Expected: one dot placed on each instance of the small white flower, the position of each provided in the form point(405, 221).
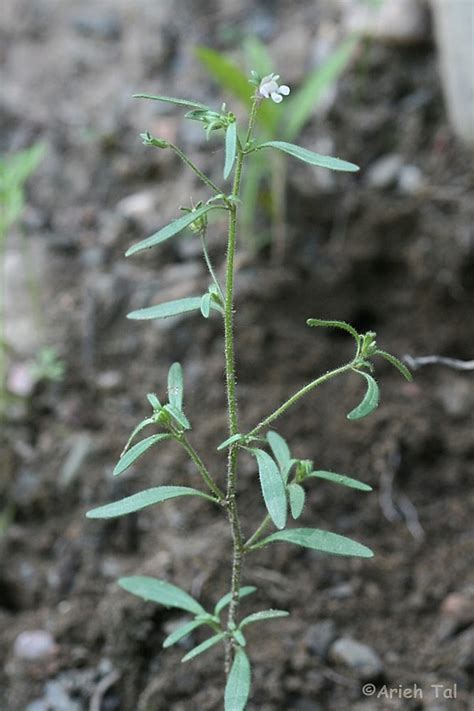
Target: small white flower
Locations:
point(269, 88)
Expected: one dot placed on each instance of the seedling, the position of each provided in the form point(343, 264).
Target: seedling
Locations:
point(281, 479)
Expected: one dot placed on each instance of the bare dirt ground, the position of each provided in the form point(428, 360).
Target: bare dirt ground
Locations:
point(394, 254)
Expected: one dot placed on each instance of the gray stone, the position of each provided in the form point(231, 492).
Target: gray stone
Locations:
point(34, 645)
point(385, 171)
point(411, 180)
point(319, 637)
point(360, 657)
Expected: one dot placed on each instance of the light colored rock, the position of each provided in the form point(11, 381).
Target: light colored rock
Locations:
point(411, 180)
point(359, 657)
point(137, 205)
point(456, 397)
point(384, 172)
point(34, 645)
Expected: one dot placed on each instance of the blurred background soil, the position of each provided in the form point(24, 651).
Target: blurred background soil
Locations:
point(391, 249)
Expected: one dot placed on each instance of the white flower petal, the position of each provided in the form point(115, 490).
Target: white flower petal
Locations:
point(284, 89)
point(276, 97)
point(268, 88)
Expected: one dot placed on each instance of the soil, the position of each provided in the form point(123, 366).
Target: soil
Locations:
point(391, 258)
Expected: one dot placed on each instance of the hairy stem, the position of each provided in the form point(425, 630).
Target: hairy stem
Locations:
point(299, 394)
point(194, 167)
point(258, 532)
point(233, 515)
point(207, 259)
point(201, 466)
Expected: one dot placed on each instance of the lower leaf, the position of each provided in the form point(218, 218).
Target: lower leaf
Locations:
point(237, 689)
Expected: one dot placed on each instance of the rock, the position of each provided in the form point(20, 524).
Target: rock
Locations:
point(359, 657)
point(391, 21)
point(109, 380)
point(456, 397)
point(410, 180)
point(341, 591)
point(34, 645)
point(56, 698)
point(137, 205)
point(319, 637)
point(385, 171)
point(457, 613)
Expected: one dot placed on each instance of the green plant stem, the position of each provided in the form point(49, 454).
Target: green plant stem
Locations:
point(258, 532)
point(194, 167)
point(182, 439)
point(299, 394)
point(207, 259)
point(233, 515)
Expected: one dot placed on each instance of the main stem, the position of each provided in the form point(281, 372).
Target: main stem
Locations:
point(233, 515)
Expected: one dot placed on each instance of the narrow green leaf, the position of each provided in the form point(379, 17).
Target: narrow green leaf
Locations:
point(169, 308)
point(301, 104)
point(397, 363)
point(141, 425)
point(206, 305)
point(280, 449)
point(172, 100)
point(319, 540)
point(237, 688)
point(263, 615)
point(239, 638)
point(335, 324)
point(181, 632)
point(310, 157)
point(226, 73)
point(230, 440)
point(139, 501)
point(225, 600)
point(230, 148)
point(175, 386)
point(273, 487)
point(257, 56)
point(136, 451)
point(170, 230)
point(178, 416)
point(340, 479)
point(370, 401)
point(203, 647)
point(296, 495)
point(161, 592)
point(153, 400)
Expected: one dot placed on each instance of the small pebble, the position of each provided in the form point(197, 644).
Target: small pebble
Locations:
point(360, 657)
point(34, 645)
